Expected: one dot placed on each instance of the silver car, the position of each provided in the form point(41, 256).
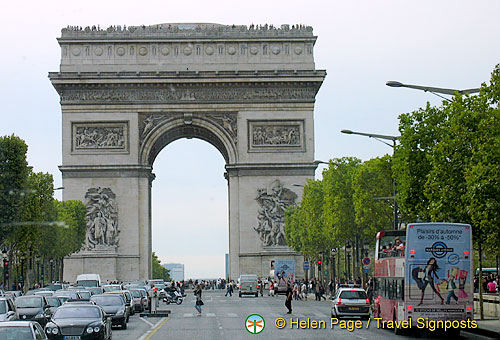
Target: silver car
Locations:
point(350, 302)
point(7, 309)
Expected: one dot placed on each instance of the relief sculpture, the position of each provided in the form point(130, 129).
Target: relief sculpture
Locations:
point(275, 135)
point(102, 219)
point(99, 137)
point(273, 202)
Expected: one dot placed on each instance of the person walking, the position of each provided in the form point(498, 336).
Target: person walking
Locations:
point(289, 296)
point(271, 288)
point(229, 289)
point(198, 302)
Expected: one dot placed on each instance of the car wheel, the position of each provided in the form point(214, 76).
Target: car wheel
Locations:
point(179, 301)
point(397, 330)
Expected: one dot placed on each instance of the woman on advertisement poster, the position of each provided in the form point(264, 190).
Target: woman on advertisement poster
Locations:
point(430, 271)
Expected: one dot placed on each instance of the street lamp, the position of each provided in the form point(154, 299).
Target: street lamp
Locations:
point(51, 261)
point(380, 138)
point(433, 90)
point(348, 252)
point(333, 252)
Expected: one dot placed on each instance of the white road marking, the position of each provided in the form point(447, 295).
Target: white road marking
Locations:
point(232, 315)
point(146, 321)
point(188, 315)
point(320, 315)
point(153, 329)
point(210, 315)
point(222, 300)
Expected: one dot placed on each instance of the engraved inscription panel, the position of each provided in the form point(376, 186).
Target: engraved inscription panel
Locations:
point(100, 136)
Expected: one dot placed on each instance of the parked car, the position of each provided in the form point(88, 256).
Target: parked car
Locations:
point(25, 330)
point(79, 321)
point(32, 307)
point(7, 309)
point(349, 302)
point(114, 305)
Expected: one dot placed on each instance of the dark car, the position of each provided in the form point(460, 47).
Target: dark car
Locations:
point(114, 305)
point(25, 330)
point(53, 302)
point(32, 307)
point(72, 294)
point(79, 322)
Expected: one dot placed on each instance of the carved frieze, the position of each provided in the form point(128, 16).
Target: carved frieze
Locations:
point(119, 94)
point(268, 135)
point(273, 202)
point(102, 219)
point(100, 136)
point(225, 121)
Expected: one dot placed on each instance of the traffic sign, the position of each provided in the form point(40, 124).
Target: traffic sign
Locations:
point(306, 265)
point(366, 261)
point(366, 270)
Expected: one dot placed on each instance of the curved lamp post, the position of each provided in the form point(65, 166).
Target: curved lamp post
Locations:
point(433, 90)
point(381, 139)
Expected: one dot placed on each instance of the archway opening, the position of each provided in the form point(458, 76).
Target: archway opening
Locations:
point(190, 220)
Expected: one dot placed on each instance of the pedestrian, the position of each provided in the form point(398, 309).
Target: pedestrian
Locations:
point(229, 289)
point(289, 296)
point(303, 289)
point(271, 288)
point(261, 288)
point(198, 302)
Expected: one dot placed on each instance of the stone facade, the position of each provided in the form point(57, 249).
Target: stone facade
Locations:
point(126, 93)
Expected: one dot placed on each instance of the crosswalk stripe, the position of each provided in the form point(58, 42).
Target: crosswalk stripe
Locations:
point(188, 315)
point(210, 315)
point(232, 315)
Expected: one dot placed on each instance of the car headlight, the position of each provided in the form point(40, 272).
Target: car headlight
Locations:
point(90, 330)
point(48, 330)
point(121, 311)
point(55, 331)
point(96, 329)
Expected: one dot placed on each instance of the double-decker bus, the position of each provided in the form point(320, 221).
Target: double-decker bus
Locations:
point(424, 273)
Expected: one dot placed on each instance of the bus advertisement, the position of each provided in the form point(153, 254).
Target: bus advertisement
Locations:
point(424, 273)
point(438, 270)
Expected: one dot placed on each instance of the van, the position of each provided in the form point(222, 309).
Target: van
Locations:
point(88, 280)
point(487, 271)
point(248, 285)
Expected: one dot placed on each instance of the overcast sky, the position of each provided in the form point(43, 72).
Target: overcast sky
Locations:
point(361, 44)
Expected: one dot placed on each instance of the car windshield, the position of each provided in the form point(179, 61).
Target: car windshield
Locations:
point(111, 288)
point(3, 307)
point(95, 290)
point(53, 301)
point(107, 300)
point(353, 294)
point(136, 293)
point(29, 302)
point(77, 313)
point(70, 294)
point(85, 295)
point(16, 333)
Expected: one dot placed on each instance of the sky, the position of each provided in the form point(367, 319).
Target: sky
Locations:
point(361, 44)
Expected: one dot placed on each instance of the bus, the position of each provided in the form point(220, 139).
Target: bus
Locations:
point(424, 273)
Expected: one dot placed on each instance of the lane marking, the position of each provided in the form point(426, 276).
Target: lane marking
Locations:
point(153, 330)
point(146, 321)
point(188, 315)
point(232, 315)
point(222, 300)
point(210, 315)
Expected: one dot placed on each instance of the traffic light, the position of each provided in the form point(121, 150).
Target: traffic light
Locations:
point(5, 270)
point(319, 265)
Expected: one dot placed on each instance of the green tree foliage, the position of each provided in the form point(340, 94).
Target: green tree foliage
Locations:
point(373, 178)
point(339, 212)
point(448, 163)
point(159, 272)
point(13, 182)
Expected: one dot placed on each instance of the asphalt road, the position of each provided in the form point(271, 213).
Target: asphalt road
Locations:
point(224, 318)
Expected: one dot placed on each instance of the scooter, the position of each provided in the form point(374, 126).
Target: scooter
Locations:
point(172, 297)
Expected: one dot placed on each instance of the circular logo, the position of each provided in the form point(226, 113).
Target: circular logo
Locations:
point(453, 259)
point(255, 324)
point(439, 249)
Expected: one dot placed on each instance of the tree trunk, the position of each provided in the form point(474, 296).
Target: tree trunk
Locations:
point(481, 311)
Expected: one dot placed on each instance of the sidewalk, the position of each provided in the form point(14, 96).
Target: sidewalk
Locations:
point(489, 327)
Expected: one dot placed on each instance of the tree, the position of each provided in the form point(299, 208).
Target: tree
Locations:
point(373, 178)
point(13, 181)
point(159, 272)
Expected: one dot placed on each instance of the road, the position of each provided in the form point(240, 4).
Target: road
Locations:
point(224, 318)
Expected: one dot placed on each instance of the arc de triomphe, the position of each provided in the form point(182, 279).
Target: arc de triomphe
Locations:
point(127, 92)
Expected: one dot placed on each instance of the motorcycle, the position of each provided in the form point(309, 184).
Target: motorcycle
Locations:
point(173, 297)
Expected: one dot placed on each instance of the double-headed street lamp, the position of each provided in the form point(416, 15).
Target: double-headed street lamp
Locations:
point(381, 139)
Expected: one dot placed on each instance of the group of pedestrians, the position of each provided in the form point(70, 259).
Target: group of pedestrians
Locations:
point(491, 284)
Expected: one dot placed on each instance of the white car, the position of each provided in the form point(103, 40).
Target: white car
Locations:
point(350, 302)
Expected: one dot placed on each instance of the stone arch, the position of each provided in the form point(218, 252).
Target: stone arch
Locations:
point(181, 127)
